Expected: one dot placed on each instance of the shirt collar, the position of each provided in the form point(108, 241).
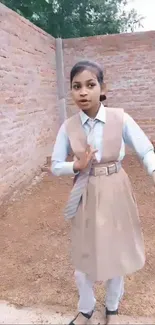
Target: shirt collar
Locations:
point(100, 115)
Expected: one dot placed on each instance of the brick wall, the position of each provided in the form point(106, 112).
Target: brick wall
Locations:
point(29, 115)
point(129, 64)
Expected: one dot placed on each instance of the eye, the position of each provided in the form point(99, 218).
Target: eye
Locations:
point(76, 86)
point(91, 85)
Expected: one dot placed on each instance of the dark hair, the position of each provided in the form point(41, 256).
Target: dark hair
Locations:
point(92, 66)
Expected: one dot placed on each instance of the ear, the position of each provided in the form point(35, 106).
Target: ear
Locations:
point(103, 89)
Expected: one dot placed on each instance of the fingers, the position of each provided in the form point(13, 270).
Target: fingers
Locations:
point(93, 151)
point(88, 155)
point(91, 154)
point(90, 150)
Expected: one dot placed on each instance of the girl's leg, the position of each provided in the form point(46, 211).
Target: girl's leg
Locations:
point(115, 291)
point(87, 300)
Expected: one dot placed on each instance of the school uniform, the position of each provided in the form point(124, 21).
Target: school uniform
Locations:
point(107, 242)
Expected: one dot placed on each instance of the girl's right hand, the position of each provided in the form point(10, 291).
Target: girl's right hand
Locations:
point(84, 159)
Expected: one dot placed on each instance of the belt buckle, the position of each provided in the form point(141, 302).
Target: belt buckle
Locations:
point(109, 168)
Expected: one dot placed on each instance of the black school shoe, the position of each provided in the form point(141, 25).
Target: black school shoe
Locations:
point(109, 312)
point(111, 317)
point(87, 316)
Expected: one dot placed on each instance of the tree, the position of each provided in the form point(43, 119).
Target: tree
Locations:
point(76, 18)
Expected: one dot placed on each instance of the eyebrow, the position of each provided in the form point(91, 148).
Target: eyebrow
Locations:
point(78, 82)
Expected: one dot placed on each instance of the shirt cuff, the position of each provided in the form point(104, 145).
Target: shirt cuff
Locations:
point(63, 168)
point(149, 161)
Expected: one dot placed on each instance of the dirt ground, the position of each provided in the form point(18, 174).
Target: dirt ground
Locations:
point(35, 266)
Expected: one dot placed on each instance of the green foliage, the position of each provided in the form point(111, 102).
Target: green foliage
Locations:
point(76, 18)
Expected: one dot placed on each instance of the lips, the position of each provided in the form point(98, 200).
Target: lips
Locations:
point(83, 101)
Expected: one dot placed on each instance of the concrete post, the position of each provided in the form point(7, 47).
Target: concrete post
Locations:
point(60, 79)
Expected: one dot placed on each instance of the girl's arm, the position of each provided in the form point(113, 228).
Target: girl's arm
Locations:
point(60, 153)
point(134, 136)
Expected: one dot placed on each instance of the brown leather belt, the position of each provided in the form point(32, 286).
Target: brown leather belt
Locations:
point(100, 169)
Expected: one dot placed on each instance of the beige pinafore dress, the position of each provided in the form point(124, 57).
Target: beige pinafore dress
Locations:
point(106, 238)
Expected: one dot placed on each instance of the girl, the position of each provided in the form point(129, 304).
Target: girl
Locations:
point(107, 242)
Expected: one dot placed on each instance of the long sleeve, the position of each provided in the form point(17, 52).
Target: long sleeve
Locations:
point(60, 153)
point(134, 137)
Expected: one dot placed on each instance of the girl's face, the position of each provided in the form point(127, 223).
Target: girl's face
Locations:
point(86, 90)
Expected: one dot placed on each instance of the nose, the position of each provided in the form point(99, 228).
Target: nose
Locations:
point(83, 92)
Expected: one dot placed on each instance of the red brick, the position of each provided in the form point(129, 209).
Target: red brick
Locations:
point(29, 116)
point(129, 65)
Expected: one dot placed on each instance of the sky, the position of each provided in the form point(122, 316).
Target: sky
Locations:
point(145, 8)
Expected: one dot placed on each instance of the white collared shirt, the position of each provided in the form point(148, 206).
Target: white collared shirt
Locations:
point(132, 135)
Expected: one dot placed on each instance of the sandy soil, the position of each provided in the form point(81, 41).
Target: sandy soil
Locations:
point(13, 315)
point(35, 266)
